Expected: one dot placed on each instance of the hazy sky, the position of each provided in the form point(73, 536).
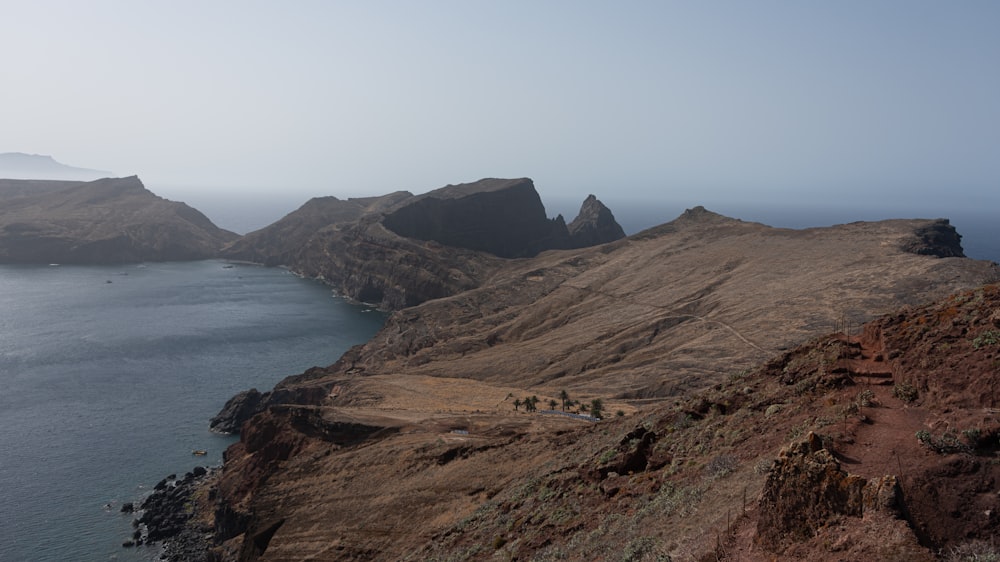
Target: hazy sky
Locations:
point(747, 101)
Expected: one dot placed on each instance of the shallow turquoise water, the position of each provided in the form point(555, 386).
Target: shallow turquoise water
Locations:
point(108, 376)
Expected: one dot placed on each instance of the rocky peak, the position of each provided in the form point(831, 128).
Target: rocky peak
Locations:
point(594, 225)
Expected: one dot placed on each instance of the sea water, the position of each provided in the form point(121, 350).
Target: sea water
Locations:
point(108, 376)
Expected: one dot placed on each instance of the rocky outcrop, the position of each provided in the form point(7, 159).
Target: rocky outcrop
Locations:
point(368, 263)
point(939, 239)
point(594, 225)
point(345, 244)
point(400, 250)
point(237, 410)
point(167, 516)
point(112, 220)
point(503, 217)
point(806, 489)
point(297, 389)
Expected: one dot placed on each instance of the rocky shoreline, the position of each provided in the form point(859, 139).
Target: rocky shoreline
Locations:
point(168, 517)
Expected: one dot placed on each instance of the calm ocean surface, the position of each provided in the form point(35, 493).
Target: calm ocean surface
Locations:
point(107, 387)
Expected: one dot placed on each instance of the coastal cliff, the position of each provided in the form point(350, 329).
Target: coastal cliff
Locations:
point(413, 446)
point(400, 250)
point(111, 220)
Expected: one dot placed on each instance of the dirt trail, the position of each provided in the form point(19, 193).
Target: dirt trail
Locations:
point(882, 436)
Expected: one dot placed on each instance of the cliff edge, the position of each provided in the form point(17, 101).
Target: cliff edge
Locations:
point(111, 220)
point(400, 250)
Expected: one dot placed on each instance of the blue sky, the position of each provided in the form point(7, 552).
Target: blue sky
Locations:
point(892, 102)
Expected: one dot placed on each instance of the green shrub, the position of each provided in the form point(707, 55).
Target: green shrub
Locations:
point(905, 392)
point(606, 456)
point(972, 437)
point(989, 337)
point(947, 443)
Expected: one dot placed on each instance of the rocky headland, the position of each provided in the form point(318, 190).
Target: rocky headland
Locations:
point(400, 250)
point(689, 337)
point(111, 220)
point(765, 393)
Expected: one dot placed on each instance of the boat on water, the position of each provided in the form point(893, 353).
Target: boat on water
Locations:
point(199, 452)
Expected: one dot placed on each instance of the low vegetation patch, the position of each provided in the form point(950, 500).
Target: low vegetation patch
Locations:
point(943, 444)
point(905, 392)
point(973, 551)
point(989, 337)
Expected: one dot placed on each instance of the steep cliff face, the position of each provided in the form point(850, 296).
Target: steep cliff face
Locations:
point(111, 220)
point(400, 250)
point(938, 238)
point(503, 217)
point(594, 225)
point(367, 262)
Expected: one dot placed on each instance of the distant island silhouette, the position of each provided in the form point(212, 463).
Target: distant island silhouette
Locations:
point(18, 165)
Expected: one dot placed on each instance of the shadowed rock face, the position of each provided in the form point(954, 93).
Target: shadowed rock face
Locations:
point(594, 225)
point(503, 217)
point(112, 220)
point(939, 239)
point(400, 250)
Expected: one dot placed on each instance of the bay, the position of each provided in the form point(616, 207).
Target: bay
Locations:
point(108, 376)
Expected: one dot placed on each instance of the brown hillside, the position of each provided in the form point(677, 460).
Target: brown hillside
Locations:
point(884, 464)
point(667, 311)
point(112, 220)
point(410, 447)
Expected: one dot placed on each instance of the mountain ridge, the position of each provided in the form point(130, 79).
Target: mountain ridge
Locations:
point(400, 249)
point(111, 220)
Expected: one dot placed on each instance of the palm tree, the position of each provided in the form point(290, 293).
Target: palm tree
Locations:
point(595, 407)
point(517, 403)
point(564, 396)
point(530, 403)
point(552, 404)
